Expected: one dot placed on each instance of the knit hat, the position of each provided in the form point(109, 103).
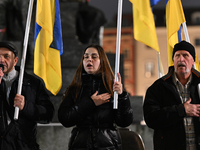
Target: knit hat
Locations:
point(183, 45)
point(9, 46)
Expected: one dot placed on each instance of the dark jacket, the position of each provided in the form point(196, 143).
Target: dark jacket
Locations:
point(164, 112)
point(21, 134)
point(95, 125)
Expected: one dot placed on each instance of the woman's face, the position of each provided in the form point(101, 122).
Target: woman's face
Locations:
point(91, 61)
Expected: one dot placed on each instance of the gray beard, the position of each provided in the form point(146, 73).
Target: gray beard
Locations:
point(187, 71)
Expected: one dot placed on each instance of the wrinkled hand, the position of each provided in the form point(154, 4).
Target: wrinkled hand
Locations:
point(19, 101)
point(1, 74)
point(100, 99)
point(117, 86)
point(192, 110)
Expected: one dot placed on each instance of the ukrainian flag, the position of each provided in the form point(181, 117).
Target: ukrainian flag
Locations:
point(48, 44)
point(174, 19)
point(144, 26)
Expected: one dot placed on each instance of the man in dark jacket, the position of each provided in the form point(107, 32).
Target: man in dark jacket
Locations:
point(172, 106)
point(34, 103)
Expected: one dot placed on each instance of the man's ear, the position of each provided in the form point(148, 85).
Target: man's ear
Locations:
point(16, 60)
point(193, 66)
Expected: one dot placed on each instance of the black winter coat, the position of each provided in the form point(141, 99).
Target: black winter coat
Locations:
point(164, 112)
point(95, 127)
point(21, 134)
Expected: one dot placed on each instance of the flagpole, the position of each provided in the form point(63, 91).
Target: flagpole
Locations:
point(160, 67)
point(186, 32)
point(117, 58)
point(188, 40)
point(16, 114)
point(158, 64)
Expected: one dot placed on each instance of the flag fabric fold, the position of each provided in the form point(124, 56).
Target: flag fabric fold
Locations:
point(48, 44)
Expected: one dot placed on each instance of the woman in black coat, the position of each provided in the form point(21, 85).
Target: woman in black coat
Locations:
point(88, 104)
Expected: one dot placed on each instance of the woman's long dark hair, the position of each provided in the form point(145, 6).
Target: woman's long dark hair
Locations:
point(105, 70)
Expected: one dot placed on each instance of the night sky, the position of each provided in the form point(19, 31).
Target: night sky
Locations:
point(110, 7)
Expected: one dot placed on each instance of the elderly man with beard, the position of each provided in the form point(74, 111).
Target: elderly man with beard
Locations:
point(172, 105)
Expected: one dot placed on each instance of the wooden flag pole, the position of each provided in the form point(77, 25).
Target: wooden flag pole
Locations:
point(16, 114)
point(117, 58)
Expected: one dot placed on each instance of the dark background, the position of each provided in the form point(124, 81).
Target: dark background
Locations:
point(110, 7)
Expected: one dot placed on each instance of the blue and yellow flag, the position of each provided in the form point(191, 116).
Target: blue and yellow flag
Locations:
point(174, 19)
point(144, 25)
point(48, 44)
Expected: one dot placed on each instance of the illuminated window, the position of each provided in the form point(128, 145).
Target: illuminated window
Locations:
point(196, 18)
point(149, 69)
point(127, 73)
point(197, 42)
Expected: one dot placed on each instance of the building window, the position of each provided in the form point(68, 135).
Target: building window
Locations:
point(126, 53)
point(127, 73)
point(197, 42)
point(149, 69)
point(196, 18)
point(109, 51)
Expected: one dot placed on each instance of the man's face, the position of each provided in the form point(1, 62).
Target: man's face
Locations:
point(183, 62)
point(8, 59)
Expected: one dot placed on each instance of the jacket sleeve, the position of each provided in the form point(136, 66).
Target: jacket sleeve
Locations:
point(161, 107)
point(38, 106)
point(124, 113)
point(71, 113)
